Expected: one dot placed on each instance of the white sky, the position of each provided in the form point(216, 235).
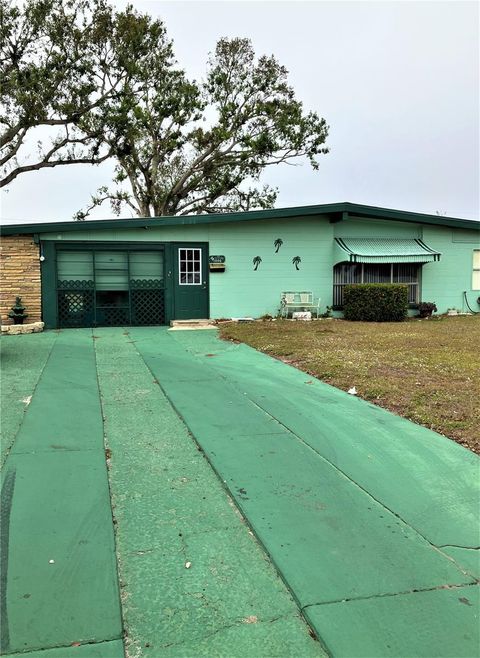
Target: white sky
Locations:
point(398, 83)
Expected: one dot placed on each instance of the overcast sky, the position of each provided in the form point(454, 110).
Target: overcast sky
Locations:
point(398, 83)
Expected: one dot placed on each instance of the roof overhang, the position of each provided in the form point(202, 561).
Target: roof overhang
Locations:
point(333, 212)
point(384, 250)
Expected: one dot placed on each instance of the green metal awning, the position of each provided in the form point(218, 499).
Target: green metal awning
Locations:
point(384, 250)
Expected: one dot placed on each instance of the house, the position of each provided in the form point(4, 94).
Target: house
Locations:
point(151, 271)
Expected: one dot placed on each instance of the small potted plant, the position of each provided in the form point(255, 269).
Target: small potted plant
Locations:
point(17, 313)
point(425, 309)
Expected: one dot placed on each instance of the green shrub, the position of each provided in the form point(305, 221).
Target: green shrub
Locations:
point(425, 309)
point(375, 302)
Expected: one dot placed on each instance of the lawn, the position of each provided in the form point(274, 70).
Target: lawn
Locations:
point(425, 370)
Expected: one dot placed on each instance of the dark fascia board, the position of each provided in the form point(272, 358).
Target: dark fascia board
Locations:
point(357, 211)
point(333, 211)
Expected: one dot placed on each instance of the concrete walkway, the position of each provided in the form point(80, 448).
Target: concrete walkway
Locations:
point(370, 521)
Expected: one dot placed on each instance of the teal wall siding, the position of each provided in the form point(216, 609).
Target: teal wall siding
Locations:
point(445, 282)
point(376, 228)
point(241, 291)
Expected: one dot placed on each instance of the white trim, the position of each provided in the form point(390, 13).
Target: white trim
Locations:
point(476, 270)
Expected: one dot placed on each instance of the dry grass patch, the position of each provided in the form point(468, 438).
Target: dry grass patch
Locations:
point(425, 370)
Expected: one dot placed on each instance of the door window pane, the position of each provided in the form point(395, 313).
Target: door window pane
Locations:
point(190, 267)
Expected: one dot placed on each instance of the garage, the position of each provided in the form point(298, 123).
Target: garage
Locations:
point(114, 284)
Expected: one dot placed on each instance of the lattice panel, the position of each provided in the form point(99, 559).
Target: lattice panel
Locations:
point(76, 305)
point(148, 306)
point(112, 317)
point(76, 285)
point(142, 284)
point(75, 308)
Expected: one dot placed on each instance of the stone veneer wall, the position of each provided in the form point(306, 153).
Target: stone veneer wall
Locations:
point(20, 275)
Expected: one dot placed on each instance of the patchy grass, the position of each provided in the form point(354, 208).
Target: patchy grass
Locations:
point(425, 370)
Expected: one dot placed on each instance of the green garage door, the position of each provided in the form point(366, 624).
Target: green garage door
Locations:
point(102, 287)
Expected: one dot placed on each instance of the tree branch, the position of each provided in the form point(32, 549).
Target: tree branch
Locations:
point(13, 151)
point(48, 165)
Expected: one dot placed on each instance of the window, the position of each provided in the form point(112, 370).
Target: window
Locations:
point(111, 270)
point(346, 273)
point(476, 270)
point(146, 268)
point(190, 267)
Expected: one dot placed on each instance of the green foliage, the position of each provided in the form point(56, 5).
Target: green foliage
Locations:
point(425, 309)
point(108, 84)
point(66, 67)
point(328, 312)
point(375, 302)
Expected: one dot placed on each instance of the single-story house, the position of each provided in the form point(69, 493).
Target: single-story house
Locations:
point(152, 271)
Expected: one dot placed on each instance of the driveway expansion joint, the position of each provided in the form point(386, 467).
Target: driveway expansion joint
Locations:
point(465, 548)
point(71, 645)
point(392, 594)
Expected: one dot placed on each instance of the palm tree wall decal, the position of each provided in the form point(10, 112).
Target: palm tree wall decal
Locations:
point(277, 244)
point(296, 260)
point(256, 261)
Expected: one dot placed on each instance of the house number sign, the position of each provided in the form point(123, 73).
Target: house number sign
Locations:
point(216, 263)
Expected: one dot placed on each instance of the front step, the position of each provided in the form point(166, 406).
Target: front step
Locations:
point(192, 324)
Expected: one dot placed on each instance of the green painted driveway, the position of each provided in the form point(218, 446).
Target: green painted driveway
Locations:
point(367, 525)
point(352, 503)
point(58, 566)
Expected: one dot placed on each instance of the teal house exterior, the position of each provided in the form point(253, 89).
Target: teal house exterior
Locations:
point(152, 271)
